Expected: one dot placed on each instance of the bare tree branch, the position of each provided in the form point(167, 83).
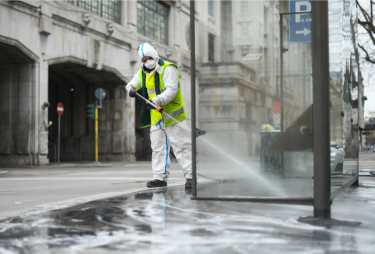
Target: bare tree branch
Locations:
point(364, 12)
point(368, 29)
point(368, 58)
point(368, 25)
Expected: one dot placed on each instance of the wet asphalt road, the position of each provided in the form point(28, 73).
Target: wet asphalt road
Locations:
point(166, 220)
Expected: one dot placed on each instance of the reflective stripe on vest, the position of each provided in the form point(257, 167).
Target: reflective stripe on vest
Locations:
point(174, 114)
point(170, 115)
point(153, 91)
point(175, 108)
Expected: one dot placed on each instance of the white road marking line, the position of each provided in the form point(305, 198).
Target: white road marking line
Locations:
point(137, 165)
point(82, 178)
point(123, 172)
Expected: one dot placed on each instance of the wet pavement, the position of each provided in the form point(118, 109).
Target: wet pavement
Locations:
point(25, 190)
point(166, 220)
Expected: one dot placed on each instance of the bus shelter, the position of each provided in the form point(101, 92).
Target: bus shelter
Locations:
point(273, 90)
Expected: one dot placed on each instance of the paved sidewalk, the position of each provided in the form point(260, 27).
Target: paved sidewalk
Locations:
point(166, 220)
point(35, 189)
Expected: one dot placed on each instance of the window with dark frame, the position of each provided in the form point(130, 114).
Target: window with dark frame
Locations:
point(211, 47)
point(108, 9)
point(211, 8)
point(152, 20)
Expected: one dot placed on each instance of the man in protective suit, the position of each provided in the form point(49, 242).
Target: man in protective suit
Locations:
point(160, 83)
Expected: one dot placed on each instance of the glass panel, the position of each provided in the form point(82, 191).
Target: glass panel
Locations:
point(211, 48)
point(153, 20)
point(254, 103)
point(211, 8)
point(343, 91)
point(108, 9)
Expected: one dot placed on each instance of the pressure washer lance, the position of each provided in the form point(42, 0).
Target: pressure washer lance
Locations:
point(198, 132)
point(159, 109)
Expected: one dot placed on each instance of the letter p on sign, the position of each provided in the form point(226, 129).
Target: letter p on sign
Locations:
point(299, 9)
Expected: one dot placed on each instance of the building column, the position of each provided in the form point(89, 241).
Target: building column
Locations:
point(42, 109)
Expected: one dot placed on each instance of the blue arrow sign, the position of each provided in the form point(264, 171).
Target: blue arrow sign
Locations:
point(300, 24)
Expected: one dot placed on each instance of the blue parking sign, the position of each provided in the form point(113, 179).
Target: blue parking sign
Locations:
point(300, 24)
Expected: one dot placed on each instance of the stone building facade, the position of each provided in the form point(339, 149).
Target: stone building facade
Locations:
point(62, 51)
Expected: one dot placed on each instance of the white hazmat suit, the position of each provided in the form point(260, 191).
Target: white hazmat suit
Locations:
point(162, 138)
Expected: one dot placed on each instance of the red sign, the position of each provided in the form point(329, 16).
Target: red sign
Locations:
point(60, 109)
point(276, 108)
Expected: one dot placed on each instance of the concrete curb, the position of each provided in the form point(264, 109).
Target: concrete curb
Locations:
point(367, 167)
point(75, 201)
point(66, 165)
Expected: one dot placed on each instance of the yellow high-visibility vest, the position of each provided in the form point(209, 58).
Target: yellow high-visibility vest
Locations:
point(175, 108)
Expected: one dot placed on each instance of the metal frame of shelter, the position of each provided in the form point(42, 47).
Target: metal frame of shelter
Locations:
point(322, 196)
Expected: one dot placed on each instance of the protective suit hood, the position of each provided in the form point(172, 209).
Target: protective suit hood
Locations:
point(146, 49)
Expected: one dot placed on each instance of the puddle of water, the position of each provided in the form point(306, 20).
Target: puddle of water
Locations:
point(166, 220)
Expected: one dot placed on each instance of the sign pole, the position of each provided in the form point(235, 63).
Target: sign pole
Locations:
point(58, 141)
point(100, 94)
point(193, 108)
point(60, 111)
point(96, 134)
point(281, 75)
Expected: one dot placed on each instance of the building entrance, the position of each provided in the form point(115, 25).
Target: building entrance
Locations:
point(18, 113)
point(74, 85)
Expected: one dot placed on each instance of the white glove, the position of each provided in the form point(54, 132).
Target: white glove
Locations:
point(128, 88)
point(156, 101)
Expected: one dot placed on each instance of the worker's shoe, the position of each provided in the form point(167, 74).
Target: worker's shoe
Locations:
point(189, 184)
point(156, 183)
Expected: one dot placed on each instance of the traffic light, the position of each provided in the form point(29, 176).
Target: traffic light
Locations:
point(91, 110)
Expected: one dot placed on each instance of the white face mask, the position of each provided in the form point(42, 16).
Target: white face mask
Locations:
point(150, 64)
